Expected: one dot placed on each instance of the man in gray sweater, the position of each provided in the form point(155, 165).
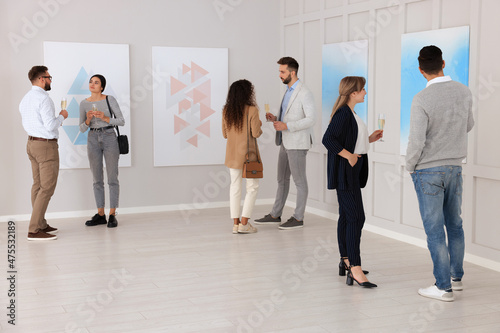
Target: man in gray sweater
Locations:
point(441, 117)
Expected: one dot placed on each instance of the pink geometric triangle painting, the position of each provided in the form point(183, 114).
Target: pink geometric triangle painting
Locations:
point(189, 91)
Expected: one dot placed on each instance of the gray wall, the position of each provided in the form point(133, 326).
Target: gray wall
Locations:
point(248, 28)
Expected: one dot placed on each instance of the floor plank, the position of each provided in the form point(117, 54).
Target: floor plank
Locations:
point(159, 272)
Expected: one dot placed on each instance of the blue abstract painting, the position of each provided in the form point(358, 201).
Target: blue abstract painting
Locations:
point(454, 42)
point(340, 60)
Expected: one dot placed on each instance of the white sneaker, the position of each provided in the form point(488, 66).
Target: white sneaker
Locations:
point(246, 229)
point(434, 292)
point(235, 228)
point(457, 285)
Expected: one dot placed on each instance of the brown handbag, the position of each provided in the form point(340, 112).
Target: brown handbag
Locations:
point(252, 169)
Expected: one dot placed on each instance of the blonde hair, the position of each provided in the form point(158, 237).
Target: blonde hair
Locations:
point(347, 86)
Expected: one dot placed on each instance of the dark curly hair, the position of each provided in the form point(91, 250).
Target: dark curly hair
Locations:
point(240, 95)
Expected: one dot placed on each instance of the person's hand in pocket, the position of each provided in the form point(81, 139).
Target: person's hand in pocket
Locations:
point(353, 159)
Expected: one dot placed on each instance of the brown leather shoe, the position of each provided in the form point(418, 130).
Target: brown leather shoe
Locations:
point(49, 229)
point(40, 236)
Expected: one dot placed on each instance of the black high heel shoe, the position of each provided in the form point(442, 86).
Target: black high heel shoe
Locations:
point(350, 281)
point(343, 268)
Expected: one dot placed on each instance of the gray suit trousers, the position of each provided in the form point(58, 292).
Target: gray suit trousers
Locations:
point(291, 161)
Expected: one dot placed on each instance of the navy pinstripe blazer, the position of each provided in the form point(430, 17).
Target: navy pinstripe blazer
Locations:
point(342, 133)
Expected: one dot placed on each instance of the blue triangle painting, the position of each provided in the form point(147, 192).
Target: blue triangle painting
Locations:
point(80, 86)
point(73, 109)
point(72, 132)
point(82, 138)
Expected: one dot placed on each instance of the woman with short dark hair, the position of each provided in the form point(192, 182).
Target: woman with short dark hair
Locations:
point(102, 143)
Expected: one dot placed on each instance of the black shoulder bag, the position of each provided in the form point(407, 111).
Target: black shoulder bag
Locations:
point(122, 139)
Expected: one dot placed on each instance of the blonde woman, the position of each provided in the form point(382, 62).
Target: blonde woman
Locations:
point(347, 142)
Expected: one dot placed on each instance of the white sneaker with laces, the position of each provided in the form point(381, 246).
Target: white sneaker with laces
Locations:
point(457, 285)
point(434, 292)
point(235, 228)
point(246, 228)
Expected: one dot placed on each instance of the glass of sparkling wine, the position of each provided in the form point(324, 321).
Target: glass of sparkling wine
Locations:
point(268, 110)
point(64, 103)
point(94, 107)
point(381, 124)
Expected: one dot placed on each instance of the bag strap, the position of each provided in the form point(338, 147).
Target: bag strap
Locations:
point(112, 114)
point(248, 142)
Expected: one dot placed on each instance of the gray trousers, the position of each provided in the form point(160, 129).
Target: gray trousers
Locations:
point(292, 162)
point(104, 143)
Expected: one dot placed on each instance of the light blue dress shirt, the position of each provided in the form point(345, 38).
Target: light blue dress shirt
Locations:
point(286, 99)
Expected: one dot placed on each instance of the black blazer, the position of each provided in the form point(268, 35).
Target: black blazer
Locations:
point(342, 133)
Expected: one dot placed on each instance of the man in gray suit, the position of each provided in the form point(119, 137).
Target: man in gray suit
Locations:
point(294, 126)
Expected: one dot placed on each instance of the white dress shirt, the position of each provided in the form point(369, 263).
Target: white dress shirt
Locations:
point(363, 141)
point(38, 114)
point(439, 79)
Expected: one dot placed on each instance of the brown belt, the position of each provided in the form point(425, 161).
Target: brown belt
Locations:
point(40, 139)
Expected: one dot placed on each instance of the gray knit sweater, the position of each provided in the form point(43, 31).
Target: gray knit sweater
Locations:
point(441, 117)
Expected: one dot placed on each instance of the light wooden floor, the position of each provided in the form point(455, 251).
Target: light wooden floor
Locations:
point(161, 273)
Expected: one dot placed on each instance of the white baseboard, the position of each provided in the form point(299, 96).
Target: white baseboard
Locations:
point(422, 243)
point(487, 263)
point(131, 210)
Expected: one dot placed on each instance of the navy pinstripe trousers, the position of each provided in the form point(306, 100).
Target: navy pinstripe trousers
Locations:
point(351, 219)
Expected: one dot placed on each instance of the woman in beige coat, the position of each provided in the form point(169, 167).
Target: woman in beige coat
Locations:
point(241, 127)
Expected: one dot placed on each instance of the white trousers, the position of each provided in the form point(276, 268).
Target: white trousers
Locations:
point(235, 194)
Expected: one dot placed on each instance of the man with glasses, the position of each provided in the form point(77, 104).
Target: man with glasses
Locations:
point(41, 124)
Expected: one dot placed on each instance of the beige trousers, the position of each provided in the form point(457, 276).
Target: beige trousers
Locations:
point(44, 157)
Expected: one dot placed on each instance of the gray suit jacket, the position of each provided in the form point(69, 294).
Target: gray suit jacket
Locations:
point(299, 118)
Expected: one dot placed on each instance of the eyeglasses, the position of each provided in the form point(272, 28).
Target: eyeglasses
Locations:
point(47, 77)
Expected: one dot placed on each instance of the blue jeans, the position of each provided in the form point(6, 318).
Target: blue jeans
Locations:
point(439, 192)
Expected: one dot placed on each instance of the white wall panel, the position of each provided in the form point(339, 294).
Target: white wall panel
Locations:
point(357, 25)
point(311, 71)
point(333, 30)
point(312, 6)
point(292, 45)
point(387, 80)
point(333, 3)
point(410, 212)
point(419, 16)
point(488, 88)
point(486, 228)
point(386, 188)
point(292, 7)
point(461, 13)
point(314, 168)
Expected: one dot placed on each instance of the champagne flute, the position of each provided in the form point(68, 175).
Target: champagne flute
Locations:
point(64, 103)
point(268, 110)
point(381, 124)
